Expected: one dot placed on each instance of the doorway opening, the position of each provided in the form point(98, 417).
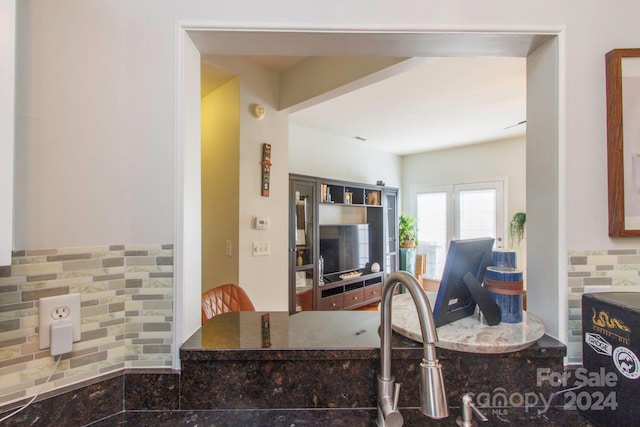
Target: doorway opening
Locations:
point(544, 139)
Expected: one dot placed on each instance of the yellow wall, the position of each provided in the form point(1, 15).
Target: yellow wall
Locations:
point(220, 184)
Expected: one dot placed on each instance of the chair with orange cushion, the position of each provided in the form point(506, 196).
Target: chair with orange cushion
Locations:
point(224, 299)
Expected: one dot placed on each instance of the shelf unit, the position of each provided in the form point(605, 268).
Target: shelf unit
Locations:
point(303, 245)
point(328, 199)
point(349, 194)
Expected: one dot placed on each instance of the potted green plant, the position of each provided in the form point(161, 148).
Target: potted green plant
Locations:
point(407, 231)
point(516, 227)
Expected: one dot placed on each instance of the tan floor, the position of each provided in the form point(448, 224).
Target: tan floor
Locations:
point(372, 307)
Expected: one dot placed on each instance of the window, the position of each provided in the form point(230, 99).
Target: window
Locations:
point(460, 211)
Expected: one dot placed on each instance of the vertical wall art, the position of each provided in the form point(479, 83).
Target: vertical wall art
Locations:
point(266, 168)
point(623, 141)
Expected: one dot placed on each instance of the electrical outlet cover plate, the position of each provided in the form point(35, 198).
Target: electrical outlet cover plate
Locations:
point(55, 309)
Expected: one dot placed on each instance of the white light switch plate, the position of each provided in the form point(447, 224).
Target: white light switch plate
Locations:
point(57, 309)
point(261, 248)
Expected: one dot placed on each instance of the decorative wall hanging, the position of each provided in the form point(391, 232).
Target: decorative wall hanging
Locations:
point(266, 168)
point(623, 141)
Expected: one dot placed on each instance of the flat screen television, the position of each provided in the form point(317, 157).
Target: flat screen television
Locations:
point(344, 247)
point(454, 300)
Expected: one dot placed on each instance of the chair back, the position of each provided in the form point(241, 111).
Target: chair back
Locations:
point(224, 299)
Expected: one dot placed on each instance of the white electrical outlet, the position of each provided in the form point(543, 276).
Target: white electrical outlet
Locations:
point(57, 309)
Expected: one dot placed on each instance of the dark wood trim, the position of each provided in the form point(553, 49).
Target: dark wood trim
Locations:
point(615, 153)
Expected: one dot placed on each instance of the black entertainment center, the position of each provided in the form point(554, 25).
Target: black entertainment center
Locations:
point(343, 242)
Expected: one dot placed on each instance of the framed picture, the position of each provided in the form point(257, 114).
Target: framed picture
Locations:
point(623, 141)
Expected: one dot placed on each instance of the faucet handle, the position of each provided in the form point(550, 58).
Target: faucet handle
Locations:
point(478, 413)
point(469, 409)
point(396, 395)
point(388, 413)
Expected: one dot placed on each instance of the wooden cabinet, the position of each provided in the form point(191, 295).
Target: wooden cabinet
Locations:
point(351, 293)
point(317, 201)
point(331, 302)
point(353, 299)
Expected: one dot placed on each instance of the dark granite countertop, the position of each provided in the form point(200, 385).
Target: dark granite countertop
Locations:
point(319, 368)
point(316, 335)
point(330, 417)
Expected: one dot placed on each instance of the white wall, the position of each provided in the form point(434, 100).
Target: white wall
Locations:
point(7, 88)
point(264, 278)
point(493, 160)
point(94, 124)
point(316, 153)
point(95, 119)
point(188, 241)
point(220, 172)
point(86, 120)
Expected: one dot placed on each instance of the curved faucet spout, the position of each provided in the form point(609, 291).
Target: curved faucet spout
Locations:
point(432, 394)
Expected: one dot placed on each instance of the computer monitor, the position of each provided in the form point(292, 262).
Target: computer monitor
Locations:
point(455, 300)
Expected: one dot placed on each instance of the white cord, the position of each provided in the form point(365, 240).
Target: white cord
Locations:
point(37, 394)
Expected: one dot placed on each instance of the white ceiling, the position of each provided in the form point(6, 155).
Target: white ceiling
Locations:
point(441, 104)
point(473, 90)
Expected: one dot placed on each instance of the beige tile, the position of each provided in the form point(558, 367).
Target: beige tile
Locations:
point(29, 322)
point(11, 397)
point(9, 298)
point(140, 261)
point(29, 260)
point(95, 310)
point(75, 376)
point(36, 269)
point(95, 335)
point(113, 262)
point(76, 269)
point(157, 305)
point(54, 377)
point(9, 335)
point(18, 342)
point(159, 283)
point(89, 359)
point(143, 247)
point(8, 370)
point(108, 277)
point(83, 249)
point(12, 280)
point(116, 284)
point(118, 366)
point(16, 361)
point(14, 314)
point(113, 345)
point(87, 264)
point(131, 326)
point(44, 292)
point(133, 349)
point(146, 269)
point(10, 352)
point(94, 287)
point(82, 273)
point(30, 347)
point(16, 387)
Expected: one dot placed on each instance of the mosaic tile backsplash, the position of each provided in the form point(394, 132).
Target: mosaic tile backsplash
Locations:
point(127, 313)
point(596, 271)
